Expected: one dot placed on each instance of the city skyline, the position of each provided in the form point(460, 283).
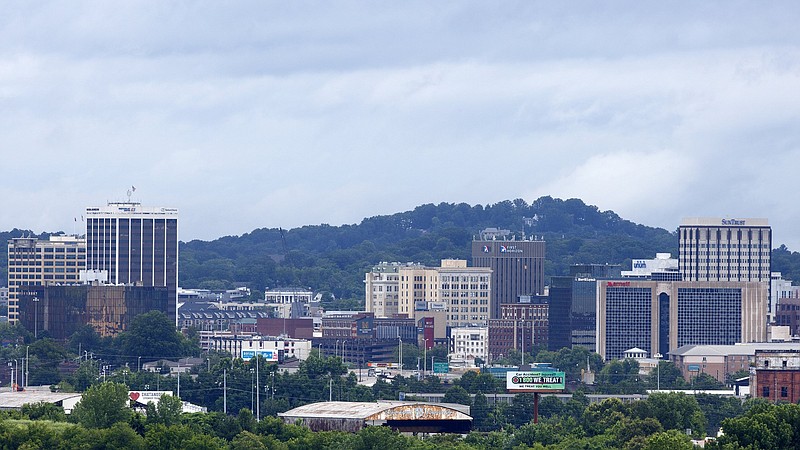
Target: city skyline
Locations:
point(281, 116)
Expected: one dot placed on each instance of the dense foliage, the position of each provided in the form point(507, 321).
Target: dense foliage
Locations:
point(660, 421)
point(334, 258)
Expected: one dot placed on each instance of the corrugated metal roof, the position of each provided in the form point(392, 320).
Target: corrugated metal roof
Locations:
point(379, 411)
point(15, 400)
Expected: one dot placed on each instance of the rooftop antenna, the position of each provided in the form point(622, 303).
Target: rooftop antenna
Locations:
point(130, 192)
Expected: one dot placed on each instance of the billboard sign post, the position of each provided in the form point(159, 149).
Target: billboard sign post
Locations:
point(535, 381)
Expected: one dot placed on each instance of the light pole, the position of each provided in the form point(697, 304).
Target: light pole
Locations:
point(424, 356)
point(400, 354)
point(27, 365)
point(35, 318)
point(658, 357)
point(344, 356)
point(258, 394)
point(139, 364)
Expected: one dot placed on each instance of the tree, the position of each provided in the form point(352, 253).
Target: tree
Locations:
point(167, 411)
point(457, 394)
point(103, 405)
point(480, 412)
point(668, 440)
point(152, 336)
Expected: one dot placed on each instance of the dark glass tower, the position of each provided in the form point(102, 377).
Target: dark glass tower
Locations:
point(136, 245)
point(517, 269)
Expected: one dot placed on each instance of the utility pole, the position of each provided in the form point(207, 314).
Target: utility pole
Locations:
point(258, 393)
point(225, 390)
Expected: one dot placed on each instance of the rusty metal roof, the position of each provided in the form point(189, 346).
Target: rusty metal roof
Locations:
point(384, 410)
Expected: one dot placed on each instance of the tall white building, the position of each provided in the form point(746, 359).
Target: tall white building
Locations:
point(719, 249)
point(135, 245)
point(381, 286)
point(38, 262)
point(413, 290)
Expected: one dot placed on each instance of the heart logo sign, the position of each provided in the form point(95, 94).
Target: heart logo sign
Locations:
point(134, 396)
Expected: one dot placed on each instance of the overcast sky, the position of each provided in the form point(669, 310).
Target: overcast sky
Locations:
point(281, 114)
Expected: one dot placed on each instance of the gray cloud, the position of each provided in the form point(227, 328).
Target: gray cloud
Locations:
point(266, 114)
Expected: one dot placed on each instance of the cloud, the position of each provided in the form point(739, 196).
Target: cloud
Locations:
point(264, 114)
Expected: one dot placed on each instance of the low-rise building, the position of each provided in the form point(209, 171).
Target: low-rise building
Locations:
point(721, 361)
point(271, 348)
point(777, 375)
point(468, 344)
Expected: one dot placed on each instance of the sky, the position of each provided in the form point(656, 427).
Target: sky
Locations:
point(246, 115)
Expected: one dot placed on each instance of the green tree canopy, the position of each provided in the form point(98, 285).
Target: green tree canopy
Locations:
point(103, 405)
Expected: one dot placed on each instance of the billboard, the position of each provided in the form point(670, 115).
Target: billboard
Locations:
point(269, 355)
point(541, 380)
point(144, 397)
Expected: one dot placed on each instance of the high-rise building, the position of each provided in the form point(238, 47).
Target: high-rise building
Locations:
point(583, 310)
point(659, 317)
point(381, 285)
point(135, 245)
point(41, 262)
point(517, 268)
point(61, 310)
point(463, 292)
point(717, 249)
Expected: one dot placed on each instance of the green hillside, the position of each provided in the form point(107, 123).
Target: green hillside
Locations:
point(334, 258)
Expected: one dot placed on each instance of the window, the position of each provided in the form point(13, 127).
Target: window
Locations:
point(765, 392)
point(784, 391)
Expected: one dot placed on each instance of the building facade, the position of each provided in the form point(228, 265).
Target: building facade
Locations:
point(289, 302)
point(135, 245)
point(468, 344)
point(41, 262)
point(717, 249)
point(381, 289)
point(517, 268)
point(521, 326)
point(661, 316)
point(60, 311)
point(777, 375)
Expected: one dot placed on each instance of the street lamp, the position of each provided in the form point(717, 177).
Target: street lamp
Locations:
point(139, 364)
point(658, 357)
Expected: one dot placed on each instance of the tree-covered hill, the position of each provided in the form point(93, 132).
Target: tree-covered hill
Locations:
point(334, 259)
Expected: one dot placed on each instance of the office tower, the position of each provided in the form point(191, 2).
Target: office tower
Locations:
point(716, 249)
point(381, 285)
point(559, 333)
point(135, 245)
point(464, 292)
point(60, 310)
point(583, 310)
point(40, 262)
point(659, 317)
point(517, 268)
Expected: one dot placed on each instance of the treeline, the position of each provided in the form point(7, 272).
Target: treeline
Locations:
point(103, 419)
point(334, 259)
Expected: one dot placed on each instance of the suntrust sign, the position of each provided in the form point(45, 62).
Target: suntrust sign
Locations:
point(733, 222)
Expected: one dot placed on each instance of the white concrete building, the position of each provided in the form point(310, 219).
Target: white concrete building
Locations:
point(268, 347)
point(381, 289)
point(289, 302)
point(644, 268)
point(468, 343)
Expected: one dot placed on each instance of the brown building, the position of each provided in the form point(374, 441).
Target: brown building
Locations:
point(777, 375)
point(293, 328)
point(520, 326)
point(788, 314)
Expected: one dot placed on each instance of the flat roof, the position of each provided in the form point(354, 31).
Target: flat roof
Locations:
point(15, 400)
point(737, 349)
